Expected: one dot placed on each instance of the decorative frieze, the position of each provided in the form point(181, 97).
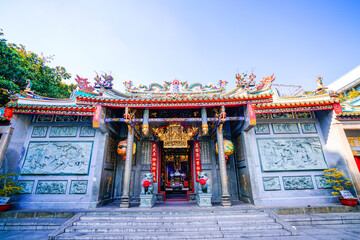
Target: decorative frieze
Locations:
point(86, 118)
point(63, 132)
point(308, 128)
point(286, 154)
point(321, 182)
point(271, 183)
point(298, 183)
point(51, 187)
point(27, 186)
point(54, 158)
point(87, 132)
point(44, 118)
point(285, 128)
point(262, 129)
point(285, 115)
point(66, 118)
point(304, 115)
point(39, 132)
point(263, 116)
point(78, 186)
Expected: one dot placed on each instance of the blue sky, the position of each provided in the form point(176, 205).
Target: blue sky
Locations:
point(195, 41)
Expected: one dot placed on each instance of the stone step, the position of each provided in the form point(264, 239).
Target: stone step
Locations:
point(146, 222)
point(322, 219)
point(30, 224)
point(273, 234)
point(175, 217)
point(164, 228)
point(167, 212)
point(176, 235)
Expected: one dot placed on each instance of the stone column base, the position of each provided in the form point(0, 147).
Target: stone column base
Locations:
point(204, 199)
point(225, 202)
point(147, 201)
point(125, 202)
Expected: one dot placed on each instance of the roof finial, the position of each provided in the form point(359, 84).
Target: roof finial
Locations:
point(28, 85)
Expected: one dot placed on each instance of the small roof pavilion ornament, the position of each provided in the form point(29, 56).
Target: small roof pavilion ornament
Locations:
point(319, 81)
point(28, 85)
point(103, 83)
point(245, 81)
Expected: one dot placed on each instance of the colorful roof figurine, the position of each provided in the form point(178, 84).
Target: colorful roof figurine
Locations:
point(174, 94)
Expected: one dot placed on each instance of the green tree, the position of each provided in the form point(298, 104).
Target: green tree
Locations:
point(17, 65)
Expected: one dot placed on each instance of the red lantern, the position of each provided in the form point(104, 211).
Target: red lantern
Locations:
point(121, 149)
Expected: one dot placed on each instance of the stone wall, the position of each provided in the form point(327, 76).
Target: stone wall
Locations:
point(286, 158)
point(60, 163)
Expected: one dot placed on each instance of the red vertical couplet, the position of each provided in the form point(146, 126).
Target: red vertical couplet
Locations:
point(97, 116)
point(197, 159)
point(154, 154)
point(252, 116)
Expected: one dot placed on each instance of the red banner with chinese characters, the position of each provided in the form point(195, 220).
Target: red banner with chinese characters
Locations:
point(154, 154)
point(197, 159)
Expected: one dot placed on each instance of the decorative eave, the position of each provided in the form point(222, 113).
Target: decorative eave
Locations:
point(52, 109)
point(176, 101)
point(348, 116)
point(295, 106)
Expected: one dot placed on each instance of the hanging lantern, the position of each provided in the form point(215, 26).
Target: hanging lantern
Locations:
point(121, 149)
point(228, 148)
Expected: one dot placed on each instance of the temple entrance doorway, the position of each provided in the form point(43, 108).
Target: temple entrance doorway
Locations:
point(176, 180)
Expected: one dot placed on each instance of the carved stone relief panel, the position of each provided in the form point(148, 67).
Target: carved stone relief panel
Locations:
point(271, 183)
point(111, 150)
point(298, 183)
point(27, 186)
point(244, 182)
point(63, 132)
point(55, 158)
point(78, 186)
point(205, 154)
point(262, 129)
point(39, 132)
point(87, 132)
point(51, 187)
point(145, 152)
point(285, 128)
point(321, 182)
point(308, 128)
point(239, 153)
point(284, 154)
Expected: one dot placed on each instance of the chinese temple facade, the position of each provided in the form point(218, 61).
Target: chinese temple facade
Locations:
point(256, 145)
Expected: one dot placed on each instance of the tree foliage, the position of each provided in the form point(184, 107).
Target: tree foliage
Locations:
point(17, 65)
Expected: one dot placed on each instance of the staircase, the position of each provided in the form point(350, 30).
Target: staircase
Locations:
point(322, 219)
point(210, 224)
